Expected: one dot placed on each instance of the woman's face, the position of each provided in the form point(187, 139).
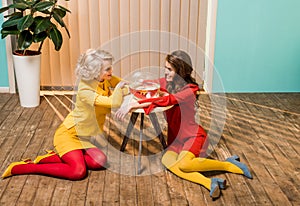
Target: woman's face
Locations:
point(106, 71)
point(169, 72)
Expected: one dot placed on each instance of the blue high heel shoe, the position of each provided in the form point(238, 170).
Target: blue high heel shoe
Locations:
point(235, 160)
point(221, 182)
point(214, 188)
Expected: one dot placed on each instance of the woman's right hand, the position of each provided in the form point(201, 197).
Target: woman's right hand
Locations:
point(125, 109)
point(122, 111)
point(122, 84)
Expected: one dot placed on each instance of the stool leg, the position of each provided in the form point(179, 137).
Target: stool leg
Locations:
point(140, 143)
point(130, 126)
point(157, 128)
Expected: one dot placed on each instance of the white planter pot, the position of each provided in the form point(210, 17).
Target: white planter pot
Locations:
point(27, 70)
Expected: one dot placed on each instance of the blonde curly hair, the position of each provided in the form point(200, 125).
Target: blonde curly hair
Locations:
point(90, 63)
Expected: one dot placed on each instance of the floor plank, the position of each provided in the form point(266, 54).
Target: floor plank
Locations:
point(263, 129)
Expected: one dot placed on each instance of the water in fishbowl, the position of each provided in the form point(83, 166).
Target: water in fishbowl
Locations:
point(144, 84)
point(144, 89)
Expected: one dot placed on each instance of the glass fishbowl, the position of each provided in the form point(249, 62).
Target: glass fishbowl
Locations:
point(144, 85)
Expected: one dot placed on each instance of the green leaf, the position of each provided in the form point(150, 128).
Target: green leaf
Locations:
point(68, 32)
point(64, 9)
point(25, 22)
point(14, 15)
point(59, 12)
point(41, 24)
point(13, 30)
point(25, 40)
point(21, 6)
point(31, 3)
point(56, 38)
point(40, 37)
point(46, 12)
point(19, 1)
point(58, 18)
point(11, 22)
point(43, 5)
point(3, 9)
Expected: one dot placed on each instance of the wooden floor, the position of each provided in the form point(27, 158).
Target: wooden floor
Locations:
point(263, 129)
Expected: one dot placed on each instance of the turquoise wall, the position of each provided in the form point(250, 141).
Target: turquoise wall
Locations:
point(3, 61)
point(258, 46)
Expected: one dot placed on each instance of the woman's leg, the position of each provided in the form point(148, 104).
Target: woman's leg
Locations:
point(189, 163)
point(171, 161)
point(72, 167)
point(50, 157)
point(94, 158)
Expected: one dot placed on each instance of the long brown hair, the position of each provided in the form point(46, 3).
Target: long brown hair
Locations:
point(182, 64)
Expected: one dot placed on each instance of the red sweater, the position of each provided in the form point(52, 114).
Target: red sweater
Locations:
point(181, 117)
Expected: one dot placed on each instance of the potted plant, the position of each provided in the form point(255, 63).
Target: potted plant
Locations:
point(32, 22)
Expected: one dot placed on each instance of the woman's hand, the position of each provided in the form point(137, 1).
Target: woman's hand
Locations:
point(122, 111)
point(162, 93)
point(122, 84)
point(125, 109)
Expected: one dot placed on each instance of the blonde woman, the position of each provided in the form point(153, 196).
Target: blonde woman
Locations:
point(74, 153)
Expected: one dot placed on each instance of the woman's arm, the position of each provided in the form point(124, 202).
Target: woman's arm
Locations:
point(186, 93)
point(114, 100)
point(87, 94)
point(126, 108)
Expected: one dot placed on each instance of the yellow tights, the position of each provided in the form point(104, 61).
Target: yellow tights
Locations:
point(187, 166)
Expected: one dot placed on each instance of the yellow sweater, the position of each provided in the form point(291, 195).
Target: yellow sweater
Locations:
point(93, 101)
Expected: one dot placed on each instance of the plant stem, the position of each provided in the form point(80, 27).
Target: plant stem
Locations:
point(40, 47)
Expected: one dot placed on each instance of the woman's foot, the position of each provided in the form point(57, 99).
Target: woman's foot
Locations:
point(41, 157)
point(8, 173)
point(235, 160)
point(221, 182)
point(214, 188)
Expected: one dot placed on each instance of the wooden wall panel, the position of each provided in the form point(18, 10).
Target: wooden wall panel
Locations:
point(134, 12)
point(125, 38)
point(94, 23)
point(154, 56)
point(184, 25)
point(145, 34)
point(174, 24)
point(201, 33)
point(192, 35)
point(104, 21)
point(67, 74)
point(138, 33)
point(114, 19)
point(164, 30)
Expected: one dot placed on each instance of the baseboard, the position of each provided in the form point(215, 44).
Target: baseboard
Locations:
point(51, 92)
point(57, 90)
point(4, 89)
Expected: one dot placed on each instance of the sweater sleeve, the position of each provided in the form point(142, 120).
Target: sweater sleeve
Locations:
point(115, 100)
point(186, 93)
point(87, 93)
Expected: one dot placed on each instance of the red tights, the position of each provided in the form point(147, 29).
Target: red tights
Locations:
point(72, 165)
